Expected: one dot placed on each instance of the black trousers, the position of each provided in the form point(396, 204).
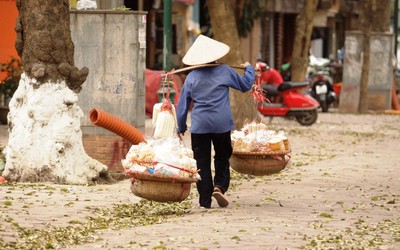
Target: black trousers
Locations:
point(201, 146)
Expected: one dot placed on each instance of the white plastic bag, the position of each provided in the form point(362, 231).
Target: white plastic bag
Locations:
point(86, 5)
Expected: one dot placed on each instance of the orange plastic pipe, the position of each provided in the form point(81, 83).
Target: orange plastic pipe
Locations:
point(395, 101)
point(116, 125)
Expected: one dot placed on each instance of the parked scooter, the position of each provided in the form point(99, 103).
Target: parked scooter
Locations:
point(292, 103)
point(321, 86)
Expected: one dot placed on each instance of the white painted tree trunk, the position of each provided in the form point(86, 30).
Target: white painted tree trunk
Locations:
point(45, 138)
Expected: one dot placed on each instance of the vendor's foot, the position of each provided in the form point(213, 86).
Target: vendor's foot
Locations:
point(222, 201)
point(200, 207)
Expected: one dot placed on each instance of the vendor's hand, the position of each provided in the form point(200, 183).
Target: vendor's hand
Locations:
point(180, 134)
point(245, 64)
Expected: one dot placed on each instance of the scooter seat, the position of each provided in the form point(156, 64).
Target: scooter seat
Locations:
point(270, 90)
point(291, 85)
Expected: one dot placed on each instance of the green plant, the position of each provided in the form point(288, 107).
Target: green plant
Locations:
point(11, 71)
point(122, 8)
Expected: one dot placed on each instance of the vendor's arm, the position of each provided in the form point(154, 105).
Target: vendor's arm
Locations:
point(245, 82)
point(183, 108)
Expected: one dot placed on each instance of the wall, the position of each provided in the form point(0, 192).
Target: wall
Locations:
point(8, 16)
point(112, 44)
point(380, 72)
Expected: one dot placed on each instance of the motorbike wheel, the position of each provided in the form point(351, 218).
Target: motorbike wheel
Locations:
point(307, 118)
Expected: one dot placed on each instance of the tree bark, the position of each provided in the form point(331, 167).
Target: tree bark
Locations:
point(45, 138)
point(301, 46)
point(224, 29)
point(380, 15)
point(366, 26)
point(44, 42)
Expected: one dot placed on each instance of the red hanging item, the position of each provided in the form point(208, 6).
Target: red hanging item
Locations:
point(257, 92)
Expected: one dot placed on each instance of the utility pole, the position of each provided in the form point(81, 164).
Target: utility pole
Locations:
point(167, 42)
point(395, 25)
point(166, 89)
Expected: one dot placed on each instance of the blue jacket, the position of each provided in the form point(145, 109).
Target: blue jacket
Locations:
point(208, 88)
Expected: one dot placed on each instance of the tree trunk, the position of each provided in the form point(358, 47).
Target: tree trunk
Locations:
point(301, 46)
point(45, 139)
point(381, 15)
point(375, 17)
point(224, 29)
point(366, 26)
point(44, 42)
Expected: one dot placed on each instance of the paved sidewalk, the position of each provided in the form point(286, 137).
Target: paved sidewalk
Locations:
point(341, 190)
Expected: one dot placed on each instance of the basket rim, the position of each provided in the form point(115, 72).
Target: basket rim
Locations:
point(158, 177)
point(247, 165)
point(246, 153)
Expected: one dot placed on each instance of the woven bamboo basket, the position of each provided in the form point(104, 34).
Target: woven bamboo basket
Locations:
point(160, 188)
point(259, 163)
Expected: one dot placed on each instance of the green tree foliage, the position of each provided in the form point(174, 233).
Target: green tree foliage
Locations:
point(248, 11)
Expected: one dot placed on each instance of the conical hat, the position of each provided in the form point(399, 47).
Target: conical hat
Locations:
point(205, 50)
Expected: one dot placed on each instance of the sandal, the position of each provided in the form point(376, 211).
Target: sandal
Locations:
point(221, 200)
